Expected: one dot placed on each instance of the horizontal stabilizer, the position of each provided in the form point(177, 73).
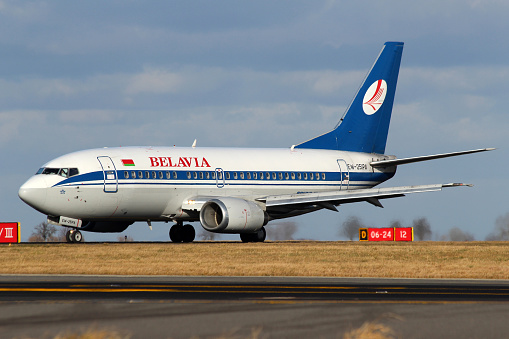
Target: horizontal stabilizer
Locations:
point(395, 162)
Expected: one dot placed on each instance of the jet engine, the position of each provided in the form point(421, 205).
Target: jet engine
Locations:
point(232, 215)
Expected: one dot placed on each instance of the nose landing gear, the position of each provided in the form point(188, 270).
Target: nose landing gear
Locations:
point(73, 236)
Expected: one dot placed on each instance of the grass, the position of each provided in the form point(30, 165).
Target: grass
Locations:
point(474, 260)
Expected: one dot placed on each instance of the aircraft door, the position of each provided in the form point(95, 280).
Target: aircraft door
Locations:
point(110, 174)
point(219, 178)
point(344, 174)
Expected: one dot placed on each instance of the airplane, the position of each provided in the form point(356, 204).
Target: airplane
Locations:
point(232, 190)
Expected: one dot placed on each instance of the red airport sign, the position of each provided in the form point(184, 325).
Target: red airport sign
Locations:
point(386, 234)
point(404, 234)
point(9, 232)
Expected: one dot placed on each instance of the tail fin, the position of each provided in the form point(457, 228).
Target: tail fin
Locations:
point(365, 125)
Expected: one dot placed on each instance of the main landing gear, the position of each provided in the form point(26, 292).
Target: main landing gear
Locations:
point(254, 237)
point(73, 236)
point(182, 233)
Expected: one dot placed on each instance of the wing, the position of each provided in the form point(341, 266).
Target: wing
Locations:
point(332, 199)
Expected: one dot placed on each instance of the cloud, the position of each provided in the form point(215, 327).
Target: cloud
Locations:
point(154, 81)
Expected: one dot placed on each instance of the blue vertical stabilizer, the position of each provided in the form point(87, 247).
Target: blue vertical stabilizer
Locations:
point(365, 125)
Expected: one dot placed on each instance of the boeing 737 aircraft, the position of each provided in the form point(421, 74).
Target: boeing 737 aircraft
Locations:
point(231, 190)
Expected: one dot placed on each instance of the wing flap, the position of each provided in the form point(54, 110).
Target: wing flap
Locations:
point(371, 195)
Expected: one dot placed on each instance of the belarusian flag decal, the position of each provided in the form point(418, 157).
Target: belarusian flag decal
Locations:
point(128, 162)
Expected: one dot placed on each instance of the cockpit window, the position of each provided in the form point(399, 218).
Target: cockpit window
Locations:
point(49, 170)
point(63, 172)
point(73, 172)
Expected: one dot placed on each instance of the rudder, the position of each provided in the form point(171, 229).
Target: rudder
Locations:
point(365, 125)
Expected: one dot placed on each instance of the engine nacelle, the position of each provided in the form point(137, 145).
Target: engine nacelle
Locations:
point(232, 215)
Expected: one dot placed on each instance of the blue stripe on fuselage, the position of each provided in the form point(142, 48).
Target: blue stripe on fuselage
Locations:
point(331, 179)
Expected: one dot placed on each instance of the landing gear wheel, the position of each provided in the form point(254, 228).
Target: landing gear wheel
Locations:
point(68, 236)
point(77, 236)
point(245, 237)
point(260, 235)
point(182, 233)
point(175, 233)
point(188, 233)
point(254, 237)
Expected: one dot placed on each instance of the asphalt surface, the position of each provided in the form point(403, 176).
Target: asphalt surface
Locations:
point(38, 306)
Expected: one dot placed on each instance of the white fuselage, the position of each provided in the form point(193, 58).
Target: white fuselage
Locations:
point(153, 183)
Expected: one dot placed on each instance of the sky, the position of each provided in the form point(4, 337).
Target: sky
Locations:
point(80, 75)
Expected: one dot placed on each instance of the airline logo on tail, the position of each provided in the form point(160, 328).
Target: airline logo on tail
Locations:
point(374, 97)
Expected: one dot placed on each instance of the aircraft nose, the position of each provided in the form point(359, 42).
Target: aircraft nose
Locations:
point(33, 193)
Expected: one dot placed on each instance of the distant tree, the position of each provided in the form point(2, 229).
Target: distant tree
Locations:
point(203, 234)
point(350, 228)
point(501, 229)
point(396, 223)
point(43, 233)
point(60, 236)
point(125, 238)
point(422, 229)
point(283, 230)
point(456, 234)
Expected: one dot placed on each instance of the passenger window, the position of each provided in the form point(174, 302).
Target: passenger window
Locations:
point(147, 175)
point(299, 176)
point(234, 175)
point(174, 175)
point(287, 176)
point(274, 175)
point(161, 175)
point(280, 176)
point(261, 175)
point(317, 176)
point(242, 175)
point(213, 175)
point(207, 175)
point(305, 176)
point(201, 175)
point(154, 175)
point(126, 175)
point(168, 175)
point(133, 174)
point(267, 175)
point(323, 176)
point(140, 174)
point(227, 175)
point(195, 175)
point(255, 175)
point(293, 176)
point(188, 175)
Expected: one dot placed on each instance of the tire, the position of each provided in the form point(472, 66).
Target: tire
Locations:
point(260, 235)
point(245, 237)
point(77, 236)
point(188, 233)
point(176, 233)
point(68, 236)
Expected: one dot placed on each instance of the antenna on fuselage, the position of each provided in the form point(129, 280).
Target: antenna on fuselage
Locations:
point(194, 144)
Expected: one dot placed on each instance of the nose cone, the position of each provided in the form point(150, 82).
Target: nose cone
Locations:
point(33, 192)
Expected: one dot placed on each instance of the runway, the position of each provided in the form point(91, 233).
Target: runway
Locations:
point(273, 307)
